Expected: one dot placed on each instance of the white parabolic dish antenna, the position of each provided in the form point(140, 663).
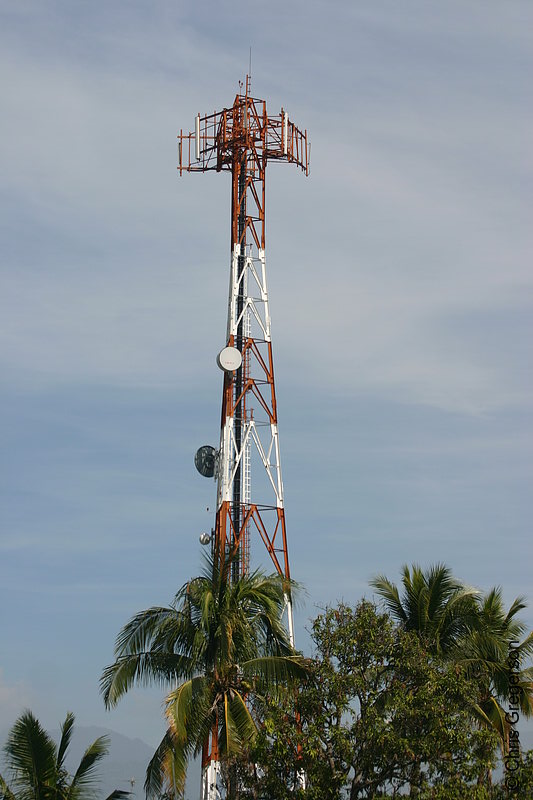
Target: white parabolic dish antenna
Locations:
point(229, 359)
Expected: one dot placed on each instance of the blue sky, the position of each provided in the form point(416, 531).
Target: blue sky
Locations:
point(400, 289)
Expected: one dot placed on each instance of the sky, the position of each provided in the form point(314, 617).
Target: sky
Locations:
point(400, 289)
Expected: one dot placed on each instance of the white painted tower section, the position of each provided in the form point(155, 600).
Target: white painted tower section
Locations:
point(259, 434)
point(209, 788)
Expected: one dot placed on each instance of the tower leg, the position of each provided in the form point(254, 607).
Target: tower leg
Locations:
point(210, 767)
point(209, 789)
point(290, 620)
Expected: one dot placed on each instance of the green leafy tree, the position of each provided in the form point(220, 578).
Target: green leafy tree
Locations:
point(219, 644)
point(379, 716)
point(36, 765)
point(470, 629)
point(517, 783)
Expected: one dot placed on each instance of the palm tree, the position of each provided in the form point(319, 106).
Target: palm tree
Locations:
point(485, 652)
point(219, 644)
point(434, 605)
point(37, 765)
point(473, 630)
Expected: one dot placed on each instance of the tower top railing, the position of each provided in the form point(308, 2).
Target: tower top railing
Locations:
point(224, 136)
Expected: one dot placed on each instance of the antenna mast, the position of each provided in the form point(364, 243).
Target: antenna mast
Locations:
point(241, 140)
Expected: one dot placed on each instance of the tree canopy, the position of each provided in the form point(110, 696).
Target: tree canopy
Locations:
point(405, 700)
point(379, 716)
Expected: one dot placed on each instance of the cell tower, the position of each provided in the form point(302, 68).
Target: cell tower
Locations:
point(242, 139)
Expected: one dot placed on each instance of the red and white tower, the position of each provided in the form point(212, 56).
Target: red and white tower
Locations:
point(242, 139)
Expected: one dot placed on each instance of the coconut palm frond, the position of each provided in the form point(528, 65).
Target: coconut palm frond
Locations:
point(66, 735)
point(434, 604)
point(118, 794)
point(143, 669)
point(167, 768)
point(238, 728)
point(162, 629)
point(389, 592)
point(188, 705)
point(273, 671)
point(523, 649)
point(5, 791)
point(441, 586)
point(492, 711)
point(30, 754)
point(85, 774)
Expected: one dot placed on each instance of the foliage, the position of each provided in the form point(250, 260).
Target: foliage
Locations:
point(407, 702)
point(36, 764)
point(469, 629)
point(221, 643)
point(379, 716)
point(518, 782)
point(437, 607)
point(494, 651)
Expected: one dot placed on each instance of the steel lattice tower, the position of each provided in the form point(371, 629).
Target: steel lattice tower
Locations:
point(242, 139)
